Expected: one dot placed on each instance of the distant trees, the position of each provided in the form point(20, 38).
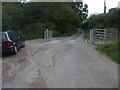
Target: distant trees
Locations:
point(62, 18)
point(108, 20)
point(66, 17)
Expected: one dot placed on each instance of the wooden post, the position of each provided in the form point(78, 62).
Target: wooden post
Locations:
point(116, 34)
point(91, 35)
point(50, 34)
point(105, 35)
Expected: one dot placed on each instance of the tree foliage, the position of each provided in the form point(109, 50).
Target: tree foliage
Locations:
point(62, 18)
point(82, 9)
point(108, 20)
point(66, 18)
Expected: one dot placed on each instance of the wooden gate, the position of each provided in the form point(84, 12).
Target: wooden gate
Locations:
point(103, 35)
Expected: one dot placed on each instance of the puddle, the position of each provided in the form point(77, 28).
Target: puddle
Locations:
point(71, 41)
point(56, 41)
point(75, 41)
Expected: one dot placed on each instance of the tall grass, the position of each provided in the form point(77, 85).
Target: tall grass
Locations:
point(87, 35)
point(111, 49)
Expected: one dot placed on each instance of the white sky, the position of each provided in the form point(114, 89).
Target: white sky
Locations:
point(97, 6)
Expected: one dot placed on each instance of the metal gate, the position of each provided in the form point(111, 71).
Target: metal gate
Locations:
point(48, 35)
point(103, 35)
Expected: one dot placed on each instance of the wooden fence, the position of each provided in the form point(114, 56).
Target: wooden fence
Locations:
point(103, 35)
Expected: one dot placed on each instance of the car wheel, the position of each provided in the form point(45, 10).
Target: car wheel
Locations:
point(15, 50)
point(23, 44)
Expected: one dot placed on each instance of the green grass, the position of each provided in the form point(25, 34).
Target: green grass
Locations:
point(111, 49)
point(38, 35)
point(87, 35)
point(31, 36)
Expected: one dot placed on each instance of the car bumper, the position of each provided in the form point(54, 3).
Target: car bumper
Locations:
point(7, 49)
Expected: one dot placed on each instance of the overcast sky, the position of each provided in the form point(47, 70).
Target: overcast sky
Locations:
point(97, 6)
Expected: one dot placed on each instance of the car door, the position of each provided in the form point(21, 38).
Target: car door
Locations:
point(13, 38)
point(19, 38)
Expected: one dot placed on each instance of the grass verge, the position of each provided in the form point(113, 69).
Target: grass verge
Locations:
point(39, 35)
point(87, 35)
point(111, 49)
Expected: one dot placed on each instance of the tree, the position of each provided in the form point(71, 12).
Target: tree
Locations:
point(13, 16)
point(85, 12)
point(6, 22)
point(34, 17)
point(66, 18)
point(81, 9)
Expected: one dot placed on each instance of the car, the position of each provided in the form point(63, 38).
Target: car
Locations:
point(11, 42)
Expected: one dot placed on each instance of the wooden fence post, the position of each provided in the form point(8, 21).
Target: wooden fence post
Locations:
point(105, 35)
point(116, 32)
point(91, 35)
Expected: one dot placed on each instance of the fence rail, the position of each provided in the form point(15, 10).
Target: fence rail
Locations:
point(103, 35)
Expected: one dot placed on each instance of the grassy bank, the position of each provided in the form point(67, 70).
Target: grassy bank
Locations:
point(111, 50)
point(87, 35)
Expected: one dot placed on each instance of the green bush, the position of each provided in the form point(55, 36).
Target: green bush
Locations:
point(109, 20)
point(31, 35)
point(87, 35)
point(33, 18)
point(56, 33)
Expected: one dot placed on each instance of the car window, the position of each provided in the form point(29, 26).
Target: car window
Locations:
point(4, 37)
point(13, 35)
point(10, 34)
point(0, 36)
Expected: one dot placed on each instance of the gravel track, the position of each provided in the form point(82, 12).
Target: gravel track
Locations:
point(61, 63)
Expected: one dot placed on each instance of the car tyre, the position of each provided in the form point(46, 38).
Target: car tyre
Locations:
point(15, 50)
point(23, 44)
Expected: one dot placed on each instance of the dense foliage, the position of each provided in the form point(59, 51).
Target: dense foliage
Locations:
point(109, 20)
point(31, 19)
